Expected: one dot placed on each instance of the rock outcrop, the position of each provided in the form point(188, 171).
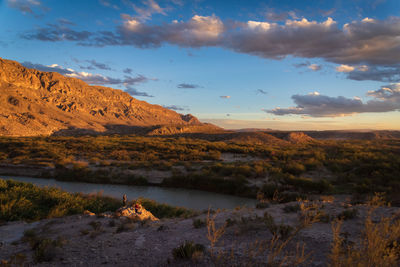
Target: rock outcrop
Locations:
point(33, 102)
point(130, 212)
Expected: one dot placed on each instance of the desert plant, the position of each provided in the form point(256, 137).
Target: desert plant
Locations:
point(214, 233)
point(348, 214)
point(187, 250)
point(291, 208)
point(378, 244)
point(198, 223)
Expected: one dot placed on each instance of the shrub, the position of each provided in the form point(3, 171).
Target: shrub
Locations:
point(187, 250)
point(45, 250)
point(348, 214)
point(291, 208)
point(198, 223)
point(294, 168)
point(262, 205)
point(24, 201)
point(164, 210)
point(308, 185)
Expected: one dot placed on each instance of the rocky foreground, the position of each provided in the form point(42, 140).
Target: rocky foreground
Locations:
point(94, 240)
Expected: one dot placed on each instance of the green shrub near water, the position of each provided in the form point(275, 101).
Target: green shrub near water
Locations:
point(25, 201)
point(164, 210)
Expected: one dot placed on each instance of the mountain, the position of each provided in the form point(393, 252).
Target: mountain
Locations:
point(33, 102)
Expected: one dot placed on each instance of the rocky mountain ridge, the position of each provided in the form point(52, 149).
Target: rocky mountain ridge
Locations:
point(33, 102)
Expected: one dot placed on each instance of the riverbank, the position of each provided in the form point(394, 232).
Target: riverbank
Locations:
point(191, 199)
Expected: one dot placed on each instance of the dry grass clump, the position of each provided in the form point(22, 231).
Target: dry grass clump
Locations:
point(277, 251)
point(378, 244)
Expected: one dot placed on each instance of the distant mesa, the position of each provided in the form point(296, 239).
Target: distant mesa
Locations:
point(34, 102)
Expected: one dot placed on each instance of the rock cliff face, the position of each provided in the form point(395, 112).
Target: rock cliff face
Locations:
point(33, 102)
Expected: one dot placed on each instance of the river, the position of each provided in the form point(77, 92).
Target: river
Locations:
point(193, 199)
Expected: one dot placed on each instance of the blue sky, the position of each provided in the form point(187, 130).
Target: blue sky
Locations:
point(290, 65)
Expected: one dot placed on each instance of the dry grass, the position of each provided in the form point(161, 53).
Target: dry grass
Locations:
point(378, 244)
point(278, 251)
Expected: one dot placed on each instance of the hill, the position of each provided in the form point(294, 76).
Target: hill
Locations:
point(33, 102)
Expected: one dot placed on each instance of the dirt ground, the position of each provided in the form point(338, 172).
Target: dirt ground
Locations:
point(92, 240)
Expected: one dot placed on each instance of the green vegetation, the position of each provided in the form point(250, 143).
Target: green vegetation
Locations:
point(165, 211)
point(293, 170)
point(25, 201)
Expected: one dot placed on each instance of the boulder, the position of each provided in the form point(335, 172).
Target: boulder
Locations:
point(129, 211)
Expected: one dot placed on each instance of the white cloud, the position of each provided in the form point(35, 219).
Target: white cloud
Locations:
point(258, 25)
point(315, 67)
point(150, 7)
point(368, 42)
point(344, 68)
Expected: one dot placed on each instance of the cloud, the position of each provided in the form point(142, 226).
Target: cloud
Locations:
point(25, 6)
point(344, 68)
point(90, 78)
point(51, 68)
point(94, 79)
point(260, 91)
point(108, 4)
point(198, 31)
point(225, 96)
point(175, 107)
point(129, 80)
point(56, 33)
point(316, 105)
point(388, 92)
point(150, 7)
point(188, 86)
point(63, 21)
point(307, 64)
point(128, 71)
point(363, 42)
point(315, 67)
point(271, 15)
point(93, 64)
point(375, 73)
point(134, 92)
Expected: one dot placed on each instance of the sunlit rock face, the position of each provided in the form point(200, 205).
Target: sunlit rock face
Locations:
point(33, 102)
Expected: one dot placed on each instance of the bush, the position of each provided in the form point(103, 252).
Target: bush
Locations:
point(164, 210)
point(24, 201)
point(348, 214)
point(291, 208)
point(309, 186)
point(294, 168)
point(187, 250)
point(198, 223)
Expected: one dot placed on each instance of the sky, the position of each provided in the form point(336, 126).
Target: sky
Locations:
point(284, 65)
